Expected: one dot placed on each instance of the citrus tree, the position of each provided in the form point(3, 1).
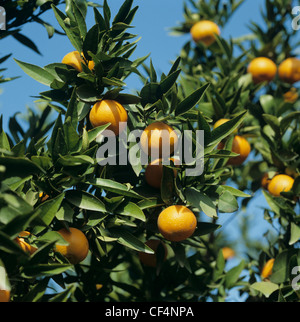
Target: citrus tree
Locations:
point(83, 214)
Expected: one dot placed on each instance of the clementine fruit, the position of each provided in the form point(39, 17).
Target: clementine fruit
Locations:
point(4, 296)
point(289, 70)
point(267, 269)
point(240, 146)
point(291, 96)
point(204, 31)
point(262, 69)
point(23, 244)
point(78, 247)
point(109, 111)
point(280, 183)
point(154, 172)
point(75, 59)
point(151, 259)
point(160, 139)
point(265, 180)
point(177, 223)
point(228, 253)
point(222, 121)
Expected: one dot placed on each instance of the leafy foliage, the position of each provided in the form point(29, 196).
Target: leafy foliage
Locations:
point(112, 204)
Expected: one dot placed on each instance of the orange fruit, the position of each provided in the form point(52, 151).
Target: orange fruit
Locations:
point(222, 121)
point(280, 183)
point(262, 69)
point(228, 253)
point(154, 172)
point(176, 223)
point(43, 196)
point(204, 31)
point(265, 180)
point(23, 244)
point(74, 59)
point(240, 146)
point(267, 269)
point(109, 111)
point(4, 296)
point(78, 247)
point(291, 96)
point(151, 259)
point(159, 138)
point(289, 70)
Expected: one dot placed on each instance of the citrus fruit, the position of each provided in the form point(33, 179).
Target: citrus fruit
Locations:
point(204, 31)
point(240, 146)
point(289, 70)
point(280, 183)
point(228, 253)
point(262, 69)
point(265, 180)
point(109, 111)
point(4, 296)
point(267, 269)
point(151, 259)
point(154, 172)
point(23, 244)
point(222, 121)
point(43, 196)
point(78, 247)
point(159, 139)
point(74, 59)
point(291, 96)
point(176, 223)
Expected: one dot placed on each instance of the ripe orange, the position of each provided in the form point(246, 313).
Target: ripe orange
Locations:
point(280, 183)
point(222, 121)
point(23, 244)
point(204, 31)
point(74, 59)
point(265, 180)
point(151, 259)
point(262, 69)
point(78, 247)
point(268, 267)
point(159, 138)
point(228, 253)
point(154, 172)
point(43, 196)
point(289, 70)
point(291, 96)
point(177, 223)
point(4, 296)
point(240, 146)
point(109, 111)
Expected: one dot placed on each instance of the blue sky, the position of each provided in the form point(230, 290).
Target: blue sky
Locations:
point(151, 22)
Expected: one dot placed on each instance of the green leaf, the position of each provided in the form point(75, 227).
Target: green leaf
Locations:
point(266, 288)
point(220, 265)
point(233, 274)
point(20, 167)
point(227, 203)
point(47, 211)
point(127, 239)
point(189, 102)
point(295, 233)
point(123, 11)
point(201, 201)
point(85, 200)
point(36, 72)
point(42, 270)
point(73, 37)
point(130, 209)
point(114, 187)
point(204, 228)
